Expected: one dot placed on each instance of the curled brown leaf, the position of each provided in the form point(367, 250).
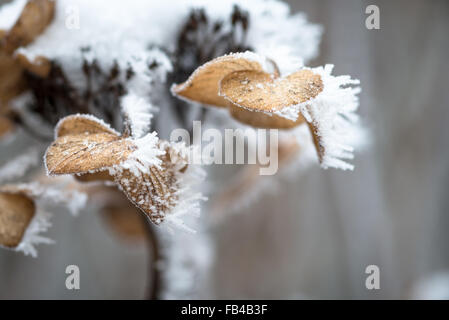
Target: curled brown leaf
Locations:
point(84, 144)
point(203, 85)
point(35, 17)
point(16, 213)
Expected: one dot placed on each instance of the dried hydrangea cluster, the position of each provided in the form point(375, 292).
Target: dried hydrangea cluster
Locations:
point(250, 86)
point(148, 170)
point(101, 92)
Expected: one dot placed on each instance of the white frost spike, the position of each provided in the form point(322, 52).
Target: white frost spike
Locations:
point(138, 113)
point(32, 237)
point(17, 167)
point(332, 113)
point(188, 198)
point(146, 155)
point(186, 261)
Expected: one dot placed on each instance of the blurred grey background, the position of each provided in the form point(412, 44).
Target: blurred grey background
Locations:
point(315, 237)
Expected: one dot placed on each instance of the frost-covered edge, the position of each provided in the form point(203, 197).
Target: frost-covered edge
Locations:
point(332, 113)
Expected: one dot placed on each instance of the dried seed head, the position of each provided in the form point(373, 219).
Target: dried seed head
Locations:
point(16, 212)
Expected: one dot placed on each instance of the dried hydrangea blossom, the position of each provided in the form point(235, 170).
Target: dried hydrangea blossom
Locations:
point(260, 97)
point(154, 174)
point(123, 54)
point(119, 67)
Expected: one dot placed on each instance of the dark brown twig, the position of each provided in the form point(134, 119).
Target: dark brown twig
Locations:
point(153, 290)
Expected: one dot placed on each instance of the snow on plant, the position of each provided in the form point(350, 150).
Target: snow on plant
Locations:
point(101, 87)
point(151, 172)
point(251, 88)
point(24, 217)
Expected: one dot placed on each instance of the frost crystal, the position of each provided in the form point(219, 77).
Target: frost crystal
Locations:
point(188, 198)
point(32, 237)
point(137, 111)
point(145, 156)
point(333, 114)
point(186, 260)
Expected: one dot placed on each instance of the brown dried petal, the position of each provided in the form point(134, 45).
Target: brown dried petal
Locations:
point(261, 120)
point(12, 81)
point(260, 91)
point(152, 192)
point(203, 85)
point(84, 144)
point(35, 17)
point(6, 126)
point(16, 212)
point(88, 152)
point(96, 176)
point(82, 124)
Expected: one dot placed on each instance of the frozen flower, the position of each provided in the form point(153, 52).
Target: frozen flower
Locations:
point(154, 174)
point(255, 93)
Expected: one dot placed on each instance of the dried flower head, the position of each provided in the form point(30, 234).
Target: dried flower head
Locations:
point(148, 170)
point(254, 92)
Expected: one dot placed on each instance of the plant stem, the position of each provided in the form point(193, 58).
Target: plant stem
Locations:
point(154, 275)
